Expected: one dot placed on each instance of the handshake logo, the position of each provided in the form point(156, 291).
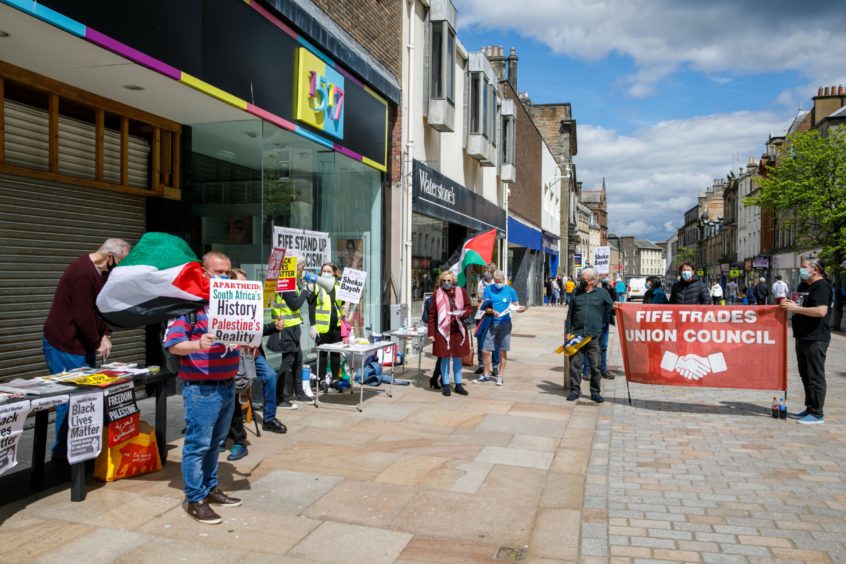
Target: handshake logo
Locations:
point(692, 366)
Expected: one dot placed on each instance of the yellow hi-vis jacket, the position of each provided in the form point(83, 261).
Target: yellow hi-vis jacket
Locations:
point(323, 311)
point(280, 310)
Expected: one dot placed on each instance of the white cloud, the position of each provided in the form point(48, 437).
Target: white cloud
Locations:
point(655, 174)
point(720, 36)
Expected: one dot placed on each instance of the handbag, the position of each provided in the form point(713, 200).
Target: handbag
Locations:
point(346, 329)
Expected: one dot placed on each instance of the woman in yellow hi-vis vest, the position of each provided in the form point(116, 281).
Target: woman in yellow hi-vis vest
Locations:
point(286, 306)
point(326, 313)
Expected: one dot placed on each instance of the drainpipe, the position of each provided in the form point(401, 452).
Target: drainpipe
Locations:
point(409, 158)
point(505, 244)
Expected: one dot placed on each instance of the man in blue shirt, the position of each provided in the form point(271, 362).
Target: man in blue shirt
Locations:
point(503, 300)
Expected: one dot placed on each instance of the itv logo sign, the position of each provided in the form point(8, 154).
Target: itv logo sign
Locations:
point(319, 96)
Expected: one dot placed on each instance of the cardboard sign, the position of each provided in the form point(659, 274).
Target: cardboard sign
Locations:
point(351, 286)
point(287, 279)
point(602, 260)
point(12, 417)
point(705, 346)
point(235, 311)
point(310, 246)
point(120, 402)
point(274, 268)
point(85, 426)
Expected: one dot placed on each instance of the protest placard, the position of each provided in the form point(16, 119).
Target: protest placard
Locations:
point(235, 311)
point(120, 402)
point(351, 286)
point(271, 279)
point(602, 260)
point(310, 246)
point(12, 417)
point(287, 281)
point(85, 426)
point(704, 346)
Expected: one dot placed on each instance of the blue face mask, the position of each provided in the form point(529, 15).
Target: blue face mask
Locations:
point(804, 273)
point(686, 275)
point(220, 276)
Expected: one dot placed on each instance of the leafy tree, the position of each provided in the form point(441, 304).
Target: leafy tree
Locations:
point(809, 182)
point(684, 254)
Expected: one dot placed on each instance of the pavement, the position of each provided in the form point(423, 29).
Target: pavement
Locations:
point(509, 473)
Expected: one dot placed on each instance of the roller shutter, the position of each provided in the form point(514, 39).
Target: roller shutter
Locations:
point(43, 227)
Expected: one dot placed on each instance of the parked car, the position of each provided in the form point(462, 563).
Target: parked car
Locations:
point(635, 289)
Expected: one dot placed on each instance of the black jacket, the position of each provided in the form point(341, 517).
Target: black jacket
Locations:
point(690, 293)
point(762, 293)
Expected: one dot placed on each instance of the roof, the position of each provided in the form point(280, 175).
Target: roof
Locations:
point(644, 244)
point(797, 120)
point(591, 196)
point(841, 113)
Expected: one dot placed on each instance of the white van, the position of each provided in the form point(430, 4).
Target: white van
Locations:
point(635, 289)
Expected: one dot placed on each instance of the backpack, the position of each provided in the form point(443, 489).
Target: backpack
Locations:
point(170, 360)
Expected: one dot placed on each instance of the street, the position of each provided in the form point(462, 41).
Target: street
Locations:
point(513, 472)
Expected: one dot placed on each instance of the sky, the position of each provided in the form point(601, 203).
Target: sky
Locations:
point(668, 95)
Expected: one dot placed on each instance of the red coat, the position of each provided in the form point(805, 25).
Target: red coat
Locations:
point(456, 347)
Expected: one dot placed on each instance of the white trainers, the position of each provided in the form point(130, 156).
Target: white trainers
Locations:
point(500, 381)
point(482, 379)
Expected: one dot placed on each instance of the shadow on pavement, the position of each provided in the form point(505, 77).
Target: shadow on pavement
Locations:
point(724, 408)
point(554, 388)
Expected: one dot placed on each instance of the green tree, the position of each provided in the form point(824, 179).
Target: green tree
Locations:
point(809, 181)
point(684, 254)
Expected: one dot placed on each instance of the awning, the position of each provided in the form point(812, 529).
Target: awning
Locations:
point(524, 235)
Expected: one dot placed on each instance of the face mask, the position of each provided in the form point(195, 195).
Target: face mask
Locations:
point(325, 275)
point(499, 285)
point(804, 273)
point(686, 275)
point(583, 284)
point(648, 285)
point(488, 277)
point(446, 285)
point(605, 281)
point(220, 276)
point(111, 264)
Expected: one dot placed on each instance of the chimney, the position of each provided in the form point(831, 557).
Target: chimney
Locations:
point(825, 91)
point(512, 68)
point(840, 90)
point(820, 91)
point(497, 60)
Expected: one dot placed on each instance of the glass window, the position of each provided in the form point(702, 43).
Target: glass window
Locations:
point(483, 117)
point(475, 110)
point(492, 114)
point(450, 63)
point(436, 60)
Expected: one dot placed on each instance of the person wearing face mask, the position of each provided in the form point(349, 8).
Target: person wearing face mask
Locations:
point(207, 370)
point(589, 309)
point(286, 306)
point(812, 332)
point(74, 335)
point(450, 339)
point(503, 300)
point(326, 313)
point(654, 292)
point(689, 290)
point(484, 282)
point(608, 320)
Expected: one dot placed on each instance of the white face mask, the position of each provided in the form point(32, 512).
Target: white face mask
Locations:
point(328, 275)
point(499, 285)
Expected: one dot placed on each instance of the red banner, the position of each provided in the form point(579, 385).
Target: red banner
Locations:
point(704, 346)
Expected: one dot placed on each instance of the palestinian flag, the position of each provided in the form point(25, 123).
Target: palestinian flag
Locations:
point(159, 279)
point(476, 250)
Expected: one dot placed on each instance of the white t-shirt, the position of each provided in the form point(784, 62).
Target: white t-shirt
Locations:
point(716, 291)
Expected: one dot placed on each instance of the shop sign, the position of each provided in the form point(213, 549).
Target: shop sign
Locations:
point(724, 268)
point(319, 96)
point(760, 263)
point(734, 273)
point(577, 260)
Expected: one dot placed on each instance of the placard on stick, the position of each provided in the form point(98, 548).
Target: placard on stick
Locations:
point(271, 278)
point(287, 281)
point(352, 285)
point(235, 312)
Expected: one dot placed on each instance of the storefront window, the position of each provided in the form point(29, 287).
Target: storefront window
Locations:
point(430, 238)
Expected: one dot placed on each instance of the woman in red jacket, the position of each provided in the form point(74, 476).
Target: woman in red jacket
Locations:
point(451, 340)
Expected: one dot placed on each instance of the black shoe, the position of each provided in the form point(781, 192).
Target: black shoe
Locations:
point(597, 398)
point(480, 370)
point(446, 391)
point(323, 386)
point(495, 371)
point(573, 396)
point(434, 383)
point(585, 377)
point(607, 375)
point(304, 398)
point(274, 426)
point(459, 389)
point(237, 453)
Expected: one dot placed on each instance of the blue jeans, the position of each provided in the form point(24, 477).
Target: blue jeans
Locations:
point(494, 355)
point(456, 369)
point(603, 346)
point(208, 413)
point(59, 361)
point(267, 375)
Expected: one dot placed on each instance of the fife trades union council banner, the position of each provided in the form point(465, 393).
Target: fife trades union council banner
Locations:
point(705, 346)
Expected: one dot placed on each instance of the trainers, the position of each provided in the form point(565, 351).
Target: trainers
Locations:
point(573, 396)
point(480, 370)
point(237, 453)
point(800, 415)
point(597, 398)
point(811, 420)
point(500, 381)
point(482, 379)
point(217, 497)
point(203, 513)
point(287, 405)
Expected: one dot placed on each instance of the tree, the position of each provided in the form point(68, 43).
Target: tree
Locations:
point(809, 181)
point(684, 254)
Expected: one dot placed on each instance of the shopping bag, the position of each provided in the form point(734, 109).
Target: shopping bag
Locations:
point(133, 457)
point(469, 359)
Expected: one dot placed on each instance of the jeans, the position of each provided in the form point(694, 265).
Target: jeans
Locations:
point(577, 361)
point(456, 369)
point(731, 299)
point(621, 297)
point(480, 341)
point(59, 361)
point(208, 413)
point(810, 357)
point(267, 375)
point(603, 346)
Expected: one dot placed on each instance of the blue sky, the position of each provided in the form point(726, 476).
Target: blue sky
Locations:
point(667, 95)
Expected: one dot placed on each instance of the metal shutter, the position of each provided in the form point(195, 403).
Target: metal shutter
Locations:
point(44, 226)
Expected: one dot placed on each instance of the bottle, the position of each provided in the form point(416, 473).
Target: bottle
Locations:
point(369, 334)
point(782, 409)
point(775, 408)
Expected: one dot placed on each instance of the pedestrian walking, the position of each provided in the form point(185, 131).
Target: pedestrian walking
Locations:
point(780, 290)
point(716, 293)
point(486, 280)
point(762, 292)
point(689, 290)
point(450, 339)
point(503, 300)
point(586, 316)
point(620, 287)
point(556, 292)
point(812, 332)
point(654, 291)
point(731, 293)
point(569, 286)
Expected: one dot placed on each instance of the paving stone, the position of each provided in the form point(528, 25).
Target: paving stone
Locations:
point(101, 545)
point(515, 457)
point(372, 504)
point(354, 542)
point(287, 492)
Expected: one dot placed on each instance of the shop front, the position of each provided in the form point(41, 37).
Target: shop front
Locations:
point(444, 215)
point(526, 260)
point(550, 244)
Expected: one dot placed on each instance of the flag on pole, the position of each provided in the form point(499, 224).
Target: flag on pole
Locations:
point(476, 250)
point(159, 279)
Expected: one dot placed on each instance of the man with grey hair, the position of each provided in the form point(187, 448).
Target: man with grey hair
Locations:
point(74, 334)
point(589, 307)
point(762, 292)
point(498, 301)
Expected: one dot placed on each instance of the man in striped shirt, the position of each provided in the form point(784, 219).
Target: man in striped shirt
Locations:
point(207, 370)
